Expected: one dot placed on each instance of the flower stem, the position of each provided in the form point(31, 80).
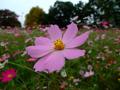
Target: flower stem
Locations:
point(25, 67)
point(21, 66)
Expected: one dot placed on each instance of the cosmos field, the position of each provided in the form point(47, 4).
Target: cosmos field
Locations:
point(98, 69)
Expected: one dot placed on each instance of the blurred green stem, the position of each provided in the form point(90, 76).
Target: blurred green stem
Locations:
point(21, 66)
point(25, 67)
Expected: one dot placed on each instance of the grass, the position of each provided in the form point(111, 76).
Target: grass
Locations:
point(101, 53)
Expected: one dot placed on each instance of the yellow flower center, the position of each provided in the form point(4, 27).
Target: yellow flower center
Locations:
point(10, 76)
point(58, 44)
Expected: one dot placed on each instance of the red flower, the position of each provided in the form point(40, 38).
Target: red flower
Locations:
point(8, 75)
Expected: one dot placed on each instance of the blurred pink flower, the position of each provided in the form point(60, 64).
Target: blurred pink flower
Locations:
point(88, 74)
point(1, 60)
point(8, 75)
point(31, 59)
point(105, 23)
point(117, 40)
point(86, 27)
point(17, 34)
point(56, 48)
point(4, 57)
point(17, 52)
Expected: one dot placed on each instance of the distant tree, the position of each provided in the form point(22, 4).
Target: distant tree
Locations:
point(35, 16)
point(111, 9)
point(79, 10)
point(90, 12)
point(106, 10)
point(46, 19)
point(8, 18)
point(61, 13)
point(83, 10)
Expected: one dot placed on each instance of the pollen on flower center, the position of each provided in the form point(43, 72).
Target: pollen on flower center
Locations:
point(10, 76)
point(58, 44)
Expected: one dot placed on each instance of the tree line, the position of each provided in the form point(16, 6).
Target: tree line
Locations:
point(62, 13)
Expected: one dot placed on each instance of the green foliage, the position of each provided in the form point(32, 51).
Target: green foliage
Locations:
point(8, 18)
point(79, 10)
point(36, 16)
point(60, 13)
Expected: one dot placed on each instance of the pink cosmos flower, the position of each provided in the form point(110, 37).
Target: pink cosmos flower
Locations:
point(5, 56)
point(8, 75)
point(17, 34)
point(52, 51)
point(88, 74)
point(31, 60)
point(105, 23)
point(1, 60)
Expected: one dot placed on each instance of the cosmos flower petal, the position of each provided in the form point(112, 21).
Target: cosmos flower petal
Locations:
point(40, 65)
point(38, 51)
point(70, 33)
point(78, 41)
point(5, 80)
point(54, 62)
point(42, 41)
point(54, 32)
point(73, 53)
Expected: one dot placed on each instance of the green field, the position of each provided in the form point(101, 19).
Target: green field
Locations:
point(102, 55)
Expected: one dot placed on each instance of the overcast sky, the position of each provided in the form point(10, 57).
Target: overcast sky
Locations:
point(22, 7)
